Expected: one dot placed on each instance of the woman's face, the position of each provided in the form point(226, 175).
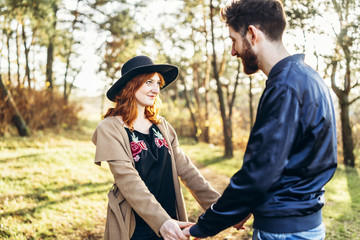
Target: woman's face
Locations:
point(146, 94)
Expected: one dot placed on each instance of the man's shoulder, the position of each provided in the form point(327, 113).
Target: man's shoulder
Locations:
point(297, 75)
point(301, 80)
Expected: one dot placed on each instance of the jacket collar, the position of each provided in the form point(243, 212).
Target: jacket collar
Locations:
point(279, 66)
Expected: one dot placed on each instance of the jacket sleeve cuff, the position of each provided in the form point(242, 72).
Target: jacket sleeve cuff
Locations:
point(196, 232)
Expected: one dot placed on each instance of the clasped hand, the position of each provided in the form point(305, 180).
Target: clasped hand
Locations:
point(238, 226)
point(172, 230)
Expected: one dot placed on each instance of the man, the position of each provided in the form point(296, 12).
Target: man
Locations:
point(291, 152)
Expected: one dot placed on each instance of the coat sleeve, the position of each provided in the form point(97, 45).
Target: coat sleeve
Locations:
point(190, 176)
point(111, 147)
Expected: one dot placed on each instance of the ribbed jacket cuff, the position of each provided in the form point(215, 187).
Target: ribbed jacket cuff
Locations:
point(196, 232)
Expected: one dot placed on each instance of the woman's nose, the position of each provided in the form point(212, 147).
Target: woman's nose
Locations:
point(155, 89)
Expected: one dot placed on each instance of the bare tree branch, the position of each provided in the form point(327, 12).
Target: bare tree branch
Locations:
point(235, 87)
point(354, 100)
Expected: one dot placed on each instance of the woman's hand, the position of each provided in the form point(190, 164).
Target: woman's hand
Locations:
point(240, 225)
point(171, 229)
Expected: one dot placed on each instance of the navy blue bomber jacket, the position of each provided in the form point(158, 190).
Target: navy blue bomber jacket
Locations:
point(290, 156)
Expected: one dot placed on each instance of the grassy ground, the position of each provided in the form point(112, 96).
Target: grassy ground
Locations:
point(50, 189)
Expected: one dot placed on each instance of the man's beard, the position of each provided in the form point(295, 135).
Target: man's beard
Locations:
point(249, 59)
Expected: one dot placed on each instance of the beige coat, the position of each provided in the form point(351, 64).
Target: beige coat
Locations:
point(130, 192)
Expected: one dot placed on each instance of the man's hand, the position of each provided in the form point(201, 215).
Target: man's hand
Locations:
point(171, 230)
point(186, 232)
point(240, 225)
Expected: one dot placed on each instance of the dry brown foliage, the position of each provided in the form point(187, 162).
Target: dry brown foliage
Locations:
point(40, 109)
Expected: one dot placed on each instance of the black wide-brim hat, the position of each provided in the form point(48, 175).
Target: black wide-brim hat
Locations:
point(139, 65)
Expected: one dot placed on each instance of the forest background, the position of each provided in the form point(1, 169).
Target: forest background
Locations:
point(49, 86)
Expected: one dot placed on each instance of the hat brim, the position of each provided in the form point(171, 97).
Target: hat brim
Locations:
point(169, 73)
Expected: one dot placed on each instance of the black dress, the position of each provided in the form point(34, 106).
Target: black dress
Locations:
point(153, 162)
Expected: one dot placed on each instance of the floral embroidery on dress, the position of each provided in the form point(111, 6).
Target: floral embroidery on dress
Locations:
point(136, 147)
point(160, 140)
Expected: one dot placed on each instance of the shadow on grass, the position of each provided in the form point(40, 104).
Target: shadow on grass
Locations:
point(353, 179)
point(38, 192)
point(84, 130)
point(40, 195)
point(4, 160)
point(81, 132)
point(343, 212)
point(210, 161)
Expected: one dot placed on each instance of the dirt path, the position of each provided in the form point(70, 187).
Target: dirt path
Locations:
point(219, 182)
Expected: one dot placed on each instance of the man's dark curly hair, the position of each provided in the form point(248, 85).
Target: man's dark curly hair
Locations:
point(267, 15)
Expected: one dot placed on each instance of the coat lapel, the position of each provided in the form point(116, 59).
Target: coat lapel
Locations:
point(180, 204)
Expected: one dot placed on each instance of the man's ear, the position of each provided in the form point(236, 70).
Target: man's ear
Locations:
point(253, 34)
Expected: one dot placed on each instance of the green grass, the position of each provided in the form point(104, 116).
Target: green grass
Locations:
point(50, 188)
point(342, 209)
point(212, 157)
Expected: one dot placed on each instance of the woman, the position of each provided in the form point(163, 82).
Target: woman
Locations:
point(143, 154)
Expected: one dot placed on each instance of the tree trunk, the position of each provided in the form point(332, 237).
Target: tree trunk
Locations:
point(347, 141)
point(195, 68)
point(27, 50)
point(9, 60)
point(188, 105)
point(251, 109)
point(49, 65)
point(17, 118)
point(65, 79)
point(71, 85)
point(206, 130)
point(232, 99)
point(226, 127)
point(198, 106)
point(17, 55)
point(50, 53)
point(207, 100)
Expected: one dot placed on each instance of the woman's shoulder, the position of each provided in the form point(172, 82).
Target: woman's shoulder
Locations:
point(163, 122)
point(166, 126)
point(109, 126)
point(110, 123)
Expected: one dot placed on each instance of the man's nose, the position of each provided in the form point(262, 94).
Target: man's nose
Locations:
point(233, 51)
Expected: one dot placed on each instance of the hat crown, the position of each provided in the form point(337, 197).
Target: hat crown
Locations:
point(136, 62)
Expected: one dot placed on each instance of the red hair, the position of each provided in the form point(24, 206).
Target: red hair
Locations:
point(125, 102)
